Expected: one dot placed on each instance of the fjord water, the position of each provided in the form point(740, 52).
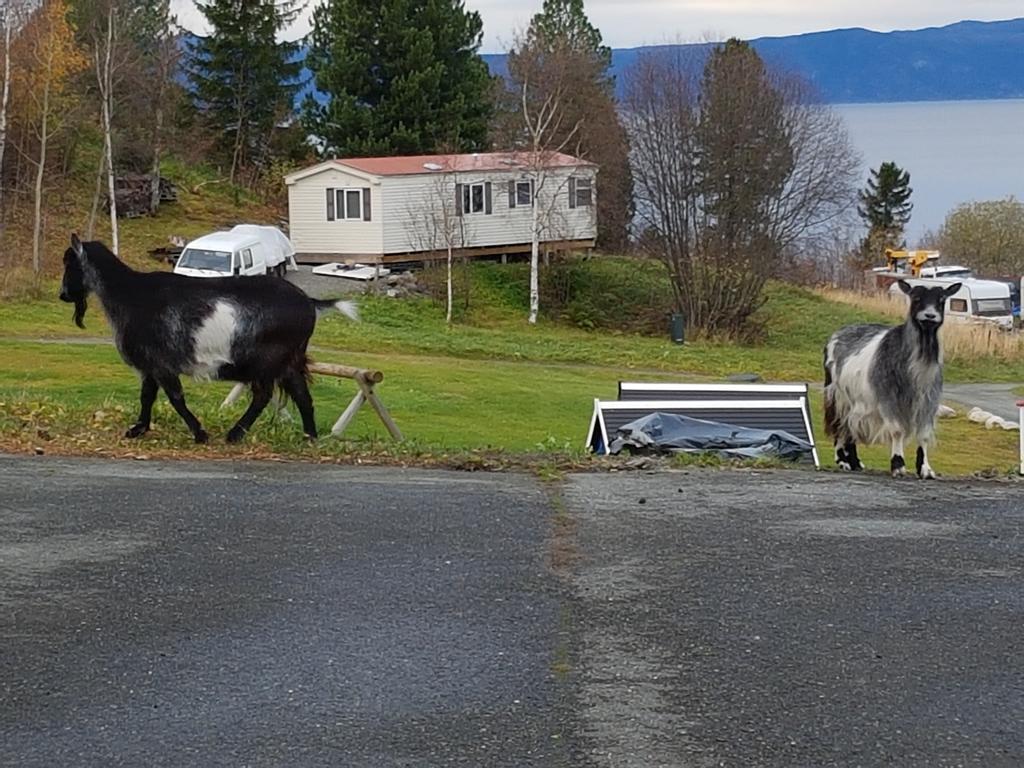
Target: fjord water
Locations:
point(956, 151)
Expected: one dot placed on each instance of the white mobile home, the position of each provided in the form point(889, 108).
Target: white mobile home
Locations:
point(393, 209)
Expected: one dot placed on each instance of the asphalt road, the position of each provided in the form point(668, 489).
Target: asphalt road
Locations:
point(994, 398)
point(285, 615)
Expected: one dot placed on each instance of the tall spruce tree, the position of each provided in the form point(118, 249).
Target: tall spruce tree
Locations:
point(885, 201)
point(397, 77)
point(566, 20)
point(562, 36)
point(244, 78)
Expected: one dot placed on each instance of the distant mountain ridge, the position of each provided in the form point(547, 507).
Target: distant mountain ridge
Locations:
point(962, 61)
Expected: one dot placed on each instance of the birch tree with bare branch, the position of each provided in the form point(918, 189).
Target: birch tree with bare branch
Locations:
point(547, 130)
point(51, 57)
point(434, 223)
point(10, 16)
point(8, 22)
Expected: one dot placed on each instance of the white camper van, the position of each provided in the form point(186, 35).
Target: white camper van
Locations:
point(986, 301)
point(247, 249)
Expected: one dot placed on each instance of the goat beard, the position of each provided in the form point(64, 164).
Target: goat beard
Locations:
point(80, 307)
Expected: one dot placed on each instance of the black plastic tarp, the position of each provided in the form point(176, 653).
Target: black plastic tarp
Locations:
point(666, 432)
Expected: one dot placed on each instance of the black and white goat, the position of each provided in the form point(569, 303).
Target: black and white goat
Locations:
point(883, 384)
point(253, 330)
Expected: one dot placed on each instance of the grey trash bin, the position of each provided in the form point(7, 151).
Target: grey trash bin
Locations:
point(677, 328)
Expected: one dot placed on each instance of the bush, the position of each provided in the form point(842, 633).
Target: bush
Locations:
point(608, 293)
point(434, 280)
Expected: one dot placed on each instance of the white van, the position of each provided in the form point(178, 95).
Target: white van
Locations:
point(247, 249)
point(977, 300)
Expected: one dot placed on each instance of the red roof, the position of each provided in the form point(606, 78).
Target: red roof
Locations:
point(483, 161)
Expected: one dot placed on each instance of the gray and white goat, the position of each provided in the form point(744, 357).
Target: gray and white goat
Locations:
point(883, 384)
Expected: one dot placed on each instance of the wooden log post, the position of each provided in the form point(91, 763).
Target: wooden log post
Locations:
point(366, 380)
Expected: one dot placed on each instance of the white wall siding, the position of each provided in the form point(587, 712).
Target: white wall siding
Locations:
point(311, 232)
point(412, 202)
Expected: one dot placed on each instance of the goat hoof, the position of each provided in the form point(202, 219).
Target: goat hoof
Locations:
point(201, 437)
point(235, 435)
point(137, 430)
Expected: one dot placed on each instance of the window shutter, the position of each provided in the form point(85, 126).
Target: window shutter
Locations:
point(458, 199)
point(366, 203)
point(487, 197)
point(572, 191)
point(533, 192)
point(330, 205)
point(512, 194)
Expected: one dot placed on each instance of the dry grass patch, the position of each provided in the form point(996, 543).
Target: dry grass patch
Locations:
point(962, 341)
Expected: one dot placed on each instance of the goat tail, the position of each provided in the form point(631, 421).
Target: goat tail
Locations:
point(348, 308)
point(831, 418)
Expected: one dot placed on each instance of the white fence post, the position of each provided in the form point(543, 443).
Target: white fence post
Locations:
point(1020, 405)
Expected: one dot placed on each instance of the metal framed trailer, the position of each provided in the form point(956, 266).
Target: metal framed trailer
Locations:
point(790, 414)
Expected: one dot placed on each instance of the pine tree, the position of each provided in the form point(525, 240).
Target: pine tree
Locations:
point(885, 201)
point(398, 77)
point(244, 79)
point(566, 20)
point(562, 37)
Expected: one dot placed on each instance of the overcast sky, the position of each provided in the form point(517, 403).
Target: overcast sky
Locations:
point(644, 22)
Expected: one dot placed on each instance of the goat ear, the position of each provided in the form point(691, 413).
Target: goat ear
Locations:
point(76, 245)
point(952, 290)
point(905, 286)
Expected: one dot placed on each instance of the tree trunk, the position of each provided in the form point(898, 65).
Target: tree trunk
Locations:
point(154, 183)
point(3, 104)
point(106, 90)
point(37, 228)
point(448, 317)
point(534, 259)
point(90, 229)
point(110, 178)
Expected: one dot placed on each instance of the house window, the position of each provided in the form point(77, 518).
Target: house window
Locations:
point(958, 305)
point(523, 189)
point(348, 204)
point(473, 198)
point(584, 193)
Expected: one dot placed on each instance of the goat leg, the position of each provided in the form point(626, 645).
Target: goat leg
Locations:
point(146, 398)
point(897, 464)
point(294, 385)
point(262, 391)
point(172, 386)
point(846, 456)
point(924, 470)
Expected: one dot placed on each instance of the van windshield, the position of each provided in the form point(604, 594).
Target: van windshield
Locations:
point(198, 258)
point(992, 307)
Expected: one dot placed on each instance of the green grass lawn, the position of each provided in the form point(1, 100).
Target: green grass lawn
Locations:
point(81, 397)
